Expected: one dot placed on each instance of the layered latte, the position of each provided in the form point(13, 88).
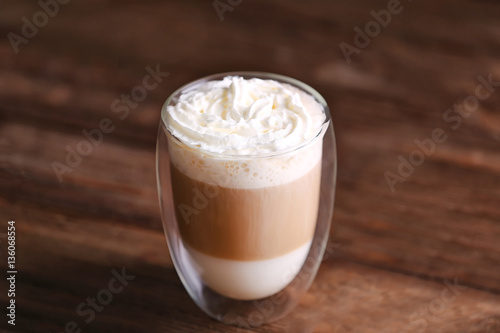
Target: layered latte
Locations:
point(245, 165)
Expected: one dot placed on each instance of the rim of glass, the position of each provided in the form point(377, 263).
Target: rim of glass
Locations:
point(171, 100)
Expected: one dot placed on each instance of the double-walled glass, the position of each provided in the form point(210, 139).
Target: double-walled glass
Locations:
point(247, 252)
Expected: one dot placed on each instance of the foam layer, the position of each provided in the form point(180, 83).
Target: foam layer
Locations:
point(224, 126)
point(245, 173)
point(260, 278)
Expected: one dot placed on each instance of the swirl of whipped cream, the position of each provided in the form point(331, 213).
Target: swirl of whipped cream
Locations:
point(244, 117)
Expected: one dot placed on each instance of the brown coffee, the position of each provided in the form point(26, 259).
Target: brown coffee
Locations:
point(246, 224)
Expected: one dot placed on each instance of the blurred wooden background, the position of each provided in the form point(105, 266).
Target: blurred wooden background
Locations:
point(396, 252)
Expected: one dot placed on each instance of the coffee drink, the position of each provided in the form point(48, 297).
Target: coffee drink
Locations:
point(245, 161)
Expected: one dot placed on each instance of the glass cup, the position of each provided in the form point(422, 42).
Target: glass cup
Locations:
point(247, 253)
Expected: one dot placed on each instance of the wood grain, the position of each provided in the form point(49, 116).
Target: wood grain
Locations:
point(394, 249)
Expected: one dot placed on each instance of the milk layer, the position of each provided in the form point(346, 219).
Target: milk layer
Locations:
point(248, 280)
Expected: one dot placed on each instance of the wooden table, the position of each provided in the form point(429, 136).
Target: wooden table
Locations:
point(413, 250)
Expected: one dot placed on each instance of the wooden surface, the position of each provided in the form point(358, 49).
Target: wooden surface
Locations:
point(392, 250)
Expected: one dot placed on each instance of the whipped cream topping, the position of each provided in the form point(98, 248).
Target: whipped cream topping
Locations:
point(245, 117)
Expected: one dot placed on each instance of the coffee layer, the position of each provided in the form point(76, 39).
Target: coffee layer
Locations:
point(246, 224)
